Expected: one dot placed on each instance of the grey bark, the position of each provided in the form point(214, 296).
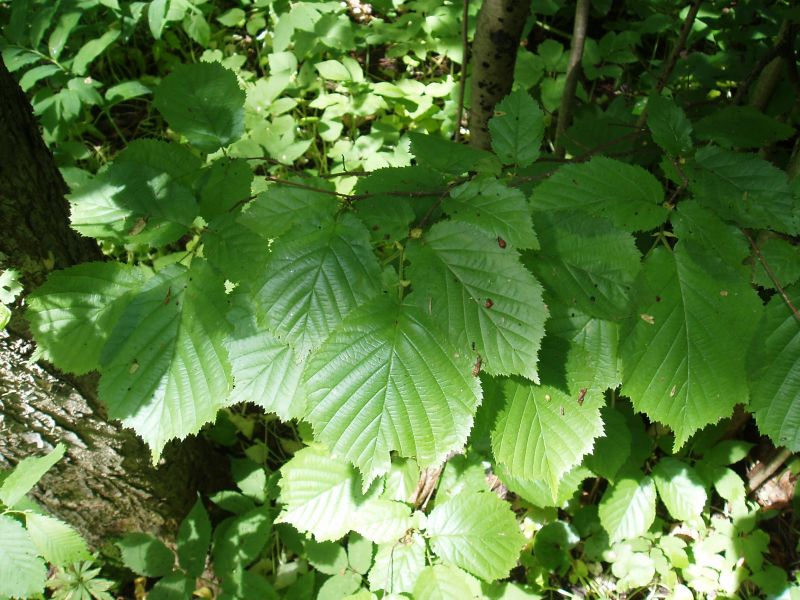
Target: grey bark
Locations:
point(494, 53)
point(106, 484)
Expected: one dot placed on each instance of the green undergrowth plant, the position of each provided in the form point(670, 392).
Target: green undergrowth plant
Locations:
point(495, 303)
point(32, 540)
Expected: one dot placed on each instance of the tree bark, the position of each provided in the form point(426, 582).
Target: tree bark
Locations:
point(106, 484)
point(494, 54)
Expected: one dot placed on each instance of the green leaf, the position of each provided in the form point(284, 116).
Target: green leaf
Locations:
point(277, 210)
point(445, 582)
point(223, 187)
point(459, 528)
point(538, 492)
point(669, 126)
point(57, 542)
point(157, 16)
point(385, 380)
point(134, 203)
point(339, 586)
point(91, 50)
point(495, 208)
point(175, 586)
point(774, 372)
point(783, 258)
point(448, 157)
point(27, 474)
point(146, 555)
point(194, 537)
point(177, 160)
point(398, 565)
point(480, 294)
point(517, 129)
point(589, 264)
point(628, 508)
point(239, 543)
point(203, 102)
point(323, 495)
point(165, 371)
point(337, 71)
point(74, 311)
point(744, 188)
point(680, 488)
point(612, 450)
point(627, 195)
point(235, 251)
point(359, 553)
point(679, 365)
point(542, 433)
point(22, 572)
point(326, 557)
point(314, 279)
point(552, 544)
point(741, 127)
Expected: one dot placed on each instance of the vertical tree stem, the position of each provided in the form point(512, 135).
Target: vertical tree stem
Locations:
point(573, 73)
point(462, 85)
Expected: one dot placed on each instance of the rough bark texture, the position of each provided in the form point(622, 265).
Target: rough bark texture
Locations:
point(494, 53)
point(106, 484)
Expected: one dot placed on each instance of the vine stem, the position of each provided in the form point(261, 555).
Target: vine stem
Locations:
point(462, 84)
point(771, 274)
point(573, 72)
point(672, 60)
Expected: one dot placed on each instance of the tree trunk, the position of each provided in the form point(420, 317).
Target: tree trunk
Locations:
point(106, 484)
point(494, 54)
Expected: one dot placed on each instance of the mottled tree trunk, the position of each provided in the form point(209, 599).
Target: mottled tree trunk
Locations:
point(105, 485)
point(494, 54)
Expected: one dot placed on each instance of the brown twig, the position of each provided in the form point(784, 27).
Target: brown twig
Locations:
point(767, 470)
point(771, 274)
point(573, 73)
point(462, 84)
point(772, 53)
point(672, 60)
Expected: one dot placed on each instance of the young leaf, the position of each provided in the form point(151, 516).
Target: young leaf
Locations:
point(499, 210)
point(538, 492)
point(238, 543)
point(27, 474)
point(481, 296)
point(669, 126)
point(679, 364)
point(146, 555)
point(314, 279)
point(588, 263)
point(326, 557)
point(57, 542)
point(175, 586)
point(543, 433)
point(612, 450)
point(165, 371)
point(203, 101)
point(22, 572)
point(382, 521)
point(517, 129)
point(387, 380)
point(74, 311)
point(440, 582)
point(398, 565)
point(628, 508)
point(680, 488)
point(459, 528)
point(774, 373)
point(359, 553)
point(194, 537)
point(627, 195)
point(744, 188)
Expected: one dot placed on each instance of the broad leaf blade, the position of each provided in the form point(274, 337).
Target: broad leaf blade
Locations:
point(398, 565)
point(495, 208)
point(22, 572)
point(678, 360)
point(27, 474)
point(517, 129)
point(669, 126)
point(203, 101)
point(480, 294)
point(460, 528)
point(542, 433)
point(315, 279)
point(165, 371)
point(387, 380)
point(277, 210)
point(146, 555)
point(73, 312)
point(680, 488)
point(628, 508)
point(448, 157)
point(774, 373)
point(443, 582)
point(627, 195)
point(194, 537)
point(57, 542)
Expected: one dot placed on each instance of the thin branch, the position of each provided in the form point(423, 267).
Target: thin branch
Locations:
point(767, 470)
point(771, 274)
point(775, 51)
point(462, 84)
point(573, 72)
point(302, 186)
point(672, 60)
